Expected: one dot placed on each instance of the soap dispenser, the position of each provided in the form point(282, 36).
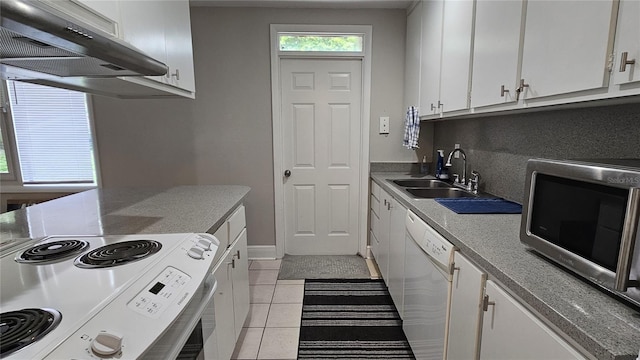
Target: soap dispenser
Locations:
point(440, 163)
point(424, 167)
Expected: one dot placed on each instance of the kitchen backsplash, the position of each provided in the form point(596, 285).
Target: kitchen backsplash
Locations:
point(499, 146)
point(401, 167)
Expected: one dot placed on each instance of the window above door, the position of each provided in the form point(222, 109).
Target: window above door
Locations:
point(320, 42)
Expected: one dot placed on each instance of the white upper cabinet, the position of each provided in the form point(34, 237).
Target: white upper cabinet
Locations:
point(457, 31)
point(627, 42)
point(412, 58)
point(162, 30)
point(496, 52)
point(179, 46)
point(142, 25)
point(107, 8)
point(101, 14)
point(432, 12)
point(566, 46)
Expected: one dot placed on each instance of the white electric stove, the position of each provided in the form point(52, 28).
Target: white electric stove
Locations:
point(108, 297)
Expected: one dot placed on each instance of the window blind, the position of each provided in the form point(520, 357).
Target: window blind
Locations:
point(53, 135)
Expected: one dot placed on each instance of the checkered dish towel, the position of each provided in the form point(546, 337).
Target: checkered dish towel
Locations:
point(411, 128)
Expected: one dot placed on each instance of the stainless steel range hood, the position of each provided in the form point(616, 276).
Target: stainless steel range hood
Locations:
point(36, 41)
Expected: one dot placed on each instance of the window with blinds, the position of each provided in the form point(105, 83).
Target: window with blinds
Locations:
point(52, 134)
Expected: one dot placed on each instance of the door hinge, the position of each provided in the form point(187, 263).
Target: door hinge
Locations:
point(611, 62)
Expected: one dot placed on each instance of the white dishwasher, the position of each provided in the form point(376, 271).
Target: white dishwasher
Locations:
point(427, 289)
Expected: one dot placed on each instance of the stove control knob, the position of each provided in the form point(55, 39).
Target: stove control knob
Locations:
point(196, 252)
point(107, 343)
point(204, 243)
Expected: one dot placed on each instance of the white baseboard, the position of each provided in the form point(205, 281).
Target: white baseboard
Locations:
point(261, 252)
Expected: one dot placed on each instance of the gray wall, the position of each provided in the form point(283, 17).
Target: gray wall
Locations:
point(499, 146)
point(225, 135)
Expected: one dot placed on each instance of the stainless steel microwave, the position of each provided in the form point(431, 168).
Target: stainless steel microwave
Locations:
point(584, 216)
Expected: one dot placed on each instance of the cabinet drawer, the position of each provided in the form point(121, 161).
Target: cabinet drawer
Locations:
point(375, 190)
point(222, 234)
point(374, 244)
point(237, 222)
point(375, 205)
point(375, 223)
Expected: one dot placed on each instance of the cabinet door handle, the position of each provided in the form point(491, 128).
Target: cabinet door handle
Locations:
point(238, 254)
point(233, 266)
point(624, 62)
point(486, 303)
point(485, 306)
point(503, 91)
point(440, 104)
point(432, 107)
point(176, 74)
point(453, 268)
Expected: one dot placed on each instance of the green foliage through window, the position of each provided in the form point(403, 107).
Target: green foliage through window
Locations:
point(4, 168)
point(332, 43)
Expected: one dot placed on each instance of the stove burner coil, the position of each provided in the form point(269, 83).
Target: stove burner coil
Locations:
point(52, 251)
point(118, 254)
point(24, 327)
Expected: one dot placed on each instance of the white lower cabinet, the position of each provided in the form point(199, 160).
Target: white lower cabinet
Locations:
point(240, 282)
point(382, 258)
point(387, 241)
point(395, 281)
point(231, 300)
point(484, 321)
point(510, 331)
point(224, 333)
point(465, 318)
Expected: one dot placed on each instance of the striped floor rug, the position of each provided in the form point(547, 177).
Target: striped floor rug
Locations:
point(350, 319)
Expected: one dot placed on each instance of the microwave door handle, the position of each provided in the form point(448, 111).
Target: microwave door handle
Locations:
point(627, 245)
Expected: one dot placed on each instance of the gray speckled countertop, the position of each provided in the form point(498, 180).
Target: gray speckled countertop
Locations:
point(603, 326)
point(119, 211)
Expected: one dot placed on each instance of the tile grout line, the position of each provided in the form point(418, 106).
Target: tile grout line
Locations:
point(271, 302)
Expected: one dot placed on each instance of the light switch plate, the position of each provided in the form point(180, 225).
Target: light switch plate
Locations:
point(457, 154)
point(384, 124)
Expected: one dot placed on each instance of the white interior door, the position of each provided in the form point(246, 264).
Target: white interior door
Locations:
point(321, 122)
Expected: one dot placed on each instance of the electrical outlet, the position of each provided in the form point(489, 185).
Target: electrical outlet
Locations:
point(457, 154)
point(384, 124)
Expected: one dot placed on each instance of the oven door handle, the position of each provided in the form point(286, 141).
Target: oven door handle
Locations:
point(627, 244)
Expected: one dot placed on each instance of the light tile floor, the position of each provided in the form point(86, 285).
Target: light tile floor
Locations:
point(272, 328)
point(273, 324)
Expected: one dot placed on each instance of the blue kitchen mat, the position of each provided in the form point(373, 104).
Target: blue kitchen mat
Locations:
point(481, 206)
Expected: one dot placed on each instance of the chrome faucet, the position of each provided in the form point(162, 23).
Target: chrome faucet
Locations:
point(474, 182)
point(464, 169)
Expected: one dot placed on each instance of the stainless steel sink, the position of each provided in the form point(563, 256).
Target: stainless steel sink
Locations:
point(422, 183)
point(431, 193)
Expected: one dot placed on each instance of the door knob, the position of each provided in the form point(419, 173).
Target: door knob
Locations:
point(287, 173)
